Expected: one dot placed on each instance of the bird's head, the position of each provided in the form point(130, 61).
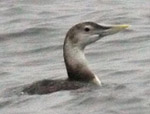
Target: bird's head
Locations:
point(86, 33)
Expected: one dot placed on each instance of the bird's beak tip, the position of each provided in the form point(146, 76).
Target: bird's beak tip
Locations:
point(124, 26)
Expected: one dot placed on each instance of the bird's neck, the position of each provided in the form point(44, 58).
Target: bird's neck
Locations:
point(76, 64)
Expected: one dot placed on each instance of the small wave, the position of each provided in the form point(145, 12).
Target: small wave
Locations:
point(29, 31)
point(38, 50)
point(125, 72)
point(26, 32)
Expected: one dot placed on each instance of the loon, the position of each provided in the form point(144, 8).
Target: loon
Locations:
point(79, 73)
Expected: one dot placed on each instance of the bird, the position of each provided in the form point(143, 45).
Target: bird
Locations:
point(79, 73)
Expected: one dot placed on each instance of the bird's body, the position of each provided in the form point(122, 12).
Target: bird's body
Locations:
point(49, 86)
point(79, 73)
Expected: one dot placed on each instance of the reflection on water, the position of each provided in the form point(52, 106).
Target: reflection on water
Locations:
point(31, 40)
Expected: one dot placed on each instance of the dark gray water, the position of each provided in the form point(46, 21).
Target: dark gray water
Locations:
point(31, 39)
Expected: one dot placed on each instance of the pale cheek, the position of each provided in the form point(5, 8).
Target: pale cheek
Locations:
point(85, 39)
point(92, 39)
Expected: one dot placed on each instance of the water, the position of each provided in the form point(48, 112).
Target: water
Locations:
point(31, 39)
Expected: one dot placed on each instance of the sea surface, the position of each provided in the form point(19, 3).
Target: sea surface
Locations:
point(31, 40)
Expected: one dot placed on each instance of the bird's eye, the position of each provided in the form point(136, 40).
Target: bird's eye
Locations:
point(87, 29)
